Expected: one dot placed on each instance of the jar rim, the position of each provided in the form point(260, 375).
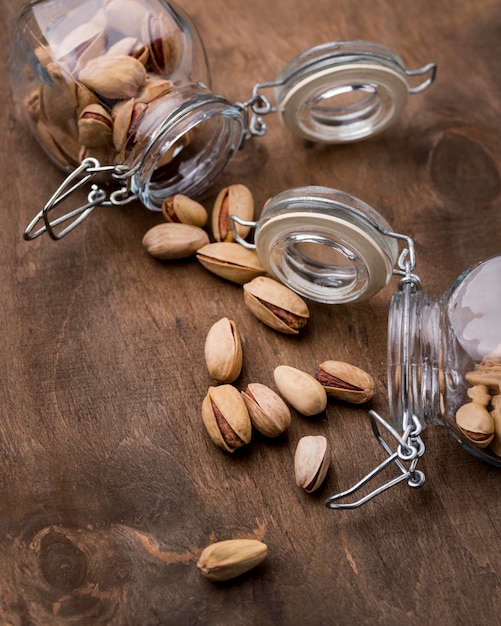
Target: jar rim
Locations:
point(326, 245)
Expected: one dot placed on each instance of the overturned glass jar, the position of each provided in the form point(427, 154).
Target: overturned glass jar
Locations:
point(444, 352)
point(121, 88)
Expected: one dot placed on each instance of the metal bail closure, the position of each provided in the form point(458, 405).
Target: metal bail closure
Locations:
point(325, 245)
point(342, 92)
point(79, 177)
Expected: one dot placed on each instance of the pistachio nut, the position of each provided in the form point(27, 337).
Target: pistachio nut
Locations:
point(231, 261)
point(311, 462)
point(153, 88)
point(226, 418)
point(58, 100)
point(228, 559)
point(479, 394)
point(163, 40)
point(476, 423)
point(233, 200)
point(223, 351)
point(130, 46)
point(487, 373)
point(125, 16)
point(302, 391)
point(114, 77)
point(268, 412)
point(174, 241)
point(95, 126)
point(60, 145)
point(180, 208)
point(276, 305)
point(346, 382)
point(83, 43)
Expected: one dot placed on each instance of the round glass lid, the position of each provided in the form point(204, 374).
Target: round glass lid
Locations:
point(342, 91)
point(325, 245)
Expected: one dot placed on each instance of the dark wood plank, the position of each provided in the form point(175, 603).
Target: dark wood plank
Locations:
point(110, 486)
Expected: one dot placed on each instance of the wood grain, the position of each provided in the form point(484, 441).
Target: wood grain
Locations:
point(110, 486)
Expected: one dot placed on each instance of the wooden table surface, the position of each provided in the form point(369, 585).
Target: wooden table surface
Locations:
point(110, 486)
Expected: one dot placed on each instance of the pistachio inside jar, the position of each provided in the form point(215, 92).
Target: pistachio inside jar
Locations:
point(125, 82)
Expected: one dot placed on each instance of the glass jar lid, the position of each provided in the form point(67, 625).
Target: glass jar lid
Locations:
point(326, 245)
point(341, 92)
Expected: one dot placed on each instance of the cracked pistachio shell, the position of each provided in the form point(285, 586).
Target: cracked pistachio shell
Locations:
point(300, 390)
point(114, 77)
point(174, 241)
point(180, 208)
point(476, 423)
point(276, 305)
point(130, 46)
point(95, 126)
point(268, 412)
point(311, 462)
point(488, 375)
point(164, 42)
point(346, 382)
point(226, 418)
point(235, 200)
point(223, 351)
point(85, 42)
point(228, 559)
point(231, 261)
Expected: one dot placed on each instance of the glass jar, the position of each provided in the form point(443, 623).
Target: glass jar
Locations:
point(444, 352)
point(121, 88)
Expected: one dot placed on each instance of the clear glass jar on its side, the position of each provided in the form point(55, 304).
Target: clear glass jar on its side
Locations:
point(444, 358)
point(125, 82)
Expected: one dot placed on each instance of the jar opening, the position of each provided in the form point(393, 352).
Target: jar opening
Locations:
point(325, 245)
point(188, 149)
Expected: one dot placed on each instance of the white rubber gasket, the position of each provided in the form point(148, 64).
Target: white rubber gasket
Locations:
point(324, 257)
point(301, 103)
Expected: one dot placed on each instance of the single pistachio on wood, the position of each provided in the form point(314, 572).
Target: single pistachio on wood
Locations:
point(114, 77)
point(228, 559)
point(476, 423)
point(95, 126)
point(311, 462)
point(346, 382)
point(302, 391)
point(223, 351)
point(180, 208)
point(226, 418)
point(235, 200)
point(174, 241)
point(268, 412)
point(276, 305)
point(231, 261)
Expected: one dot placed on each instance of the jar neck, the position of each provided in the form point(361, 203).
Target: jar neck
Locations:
point(180, 143)
point(415, 352)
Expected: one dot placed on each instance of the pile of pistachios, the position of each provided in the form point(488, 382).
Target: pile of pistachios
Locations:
point(100, 80)
point(228, 414)
point(480, 418)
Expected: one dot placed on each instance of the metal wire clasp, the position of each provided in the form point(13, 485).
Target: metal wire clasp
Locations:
point(410, 446)
point(83, 174)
